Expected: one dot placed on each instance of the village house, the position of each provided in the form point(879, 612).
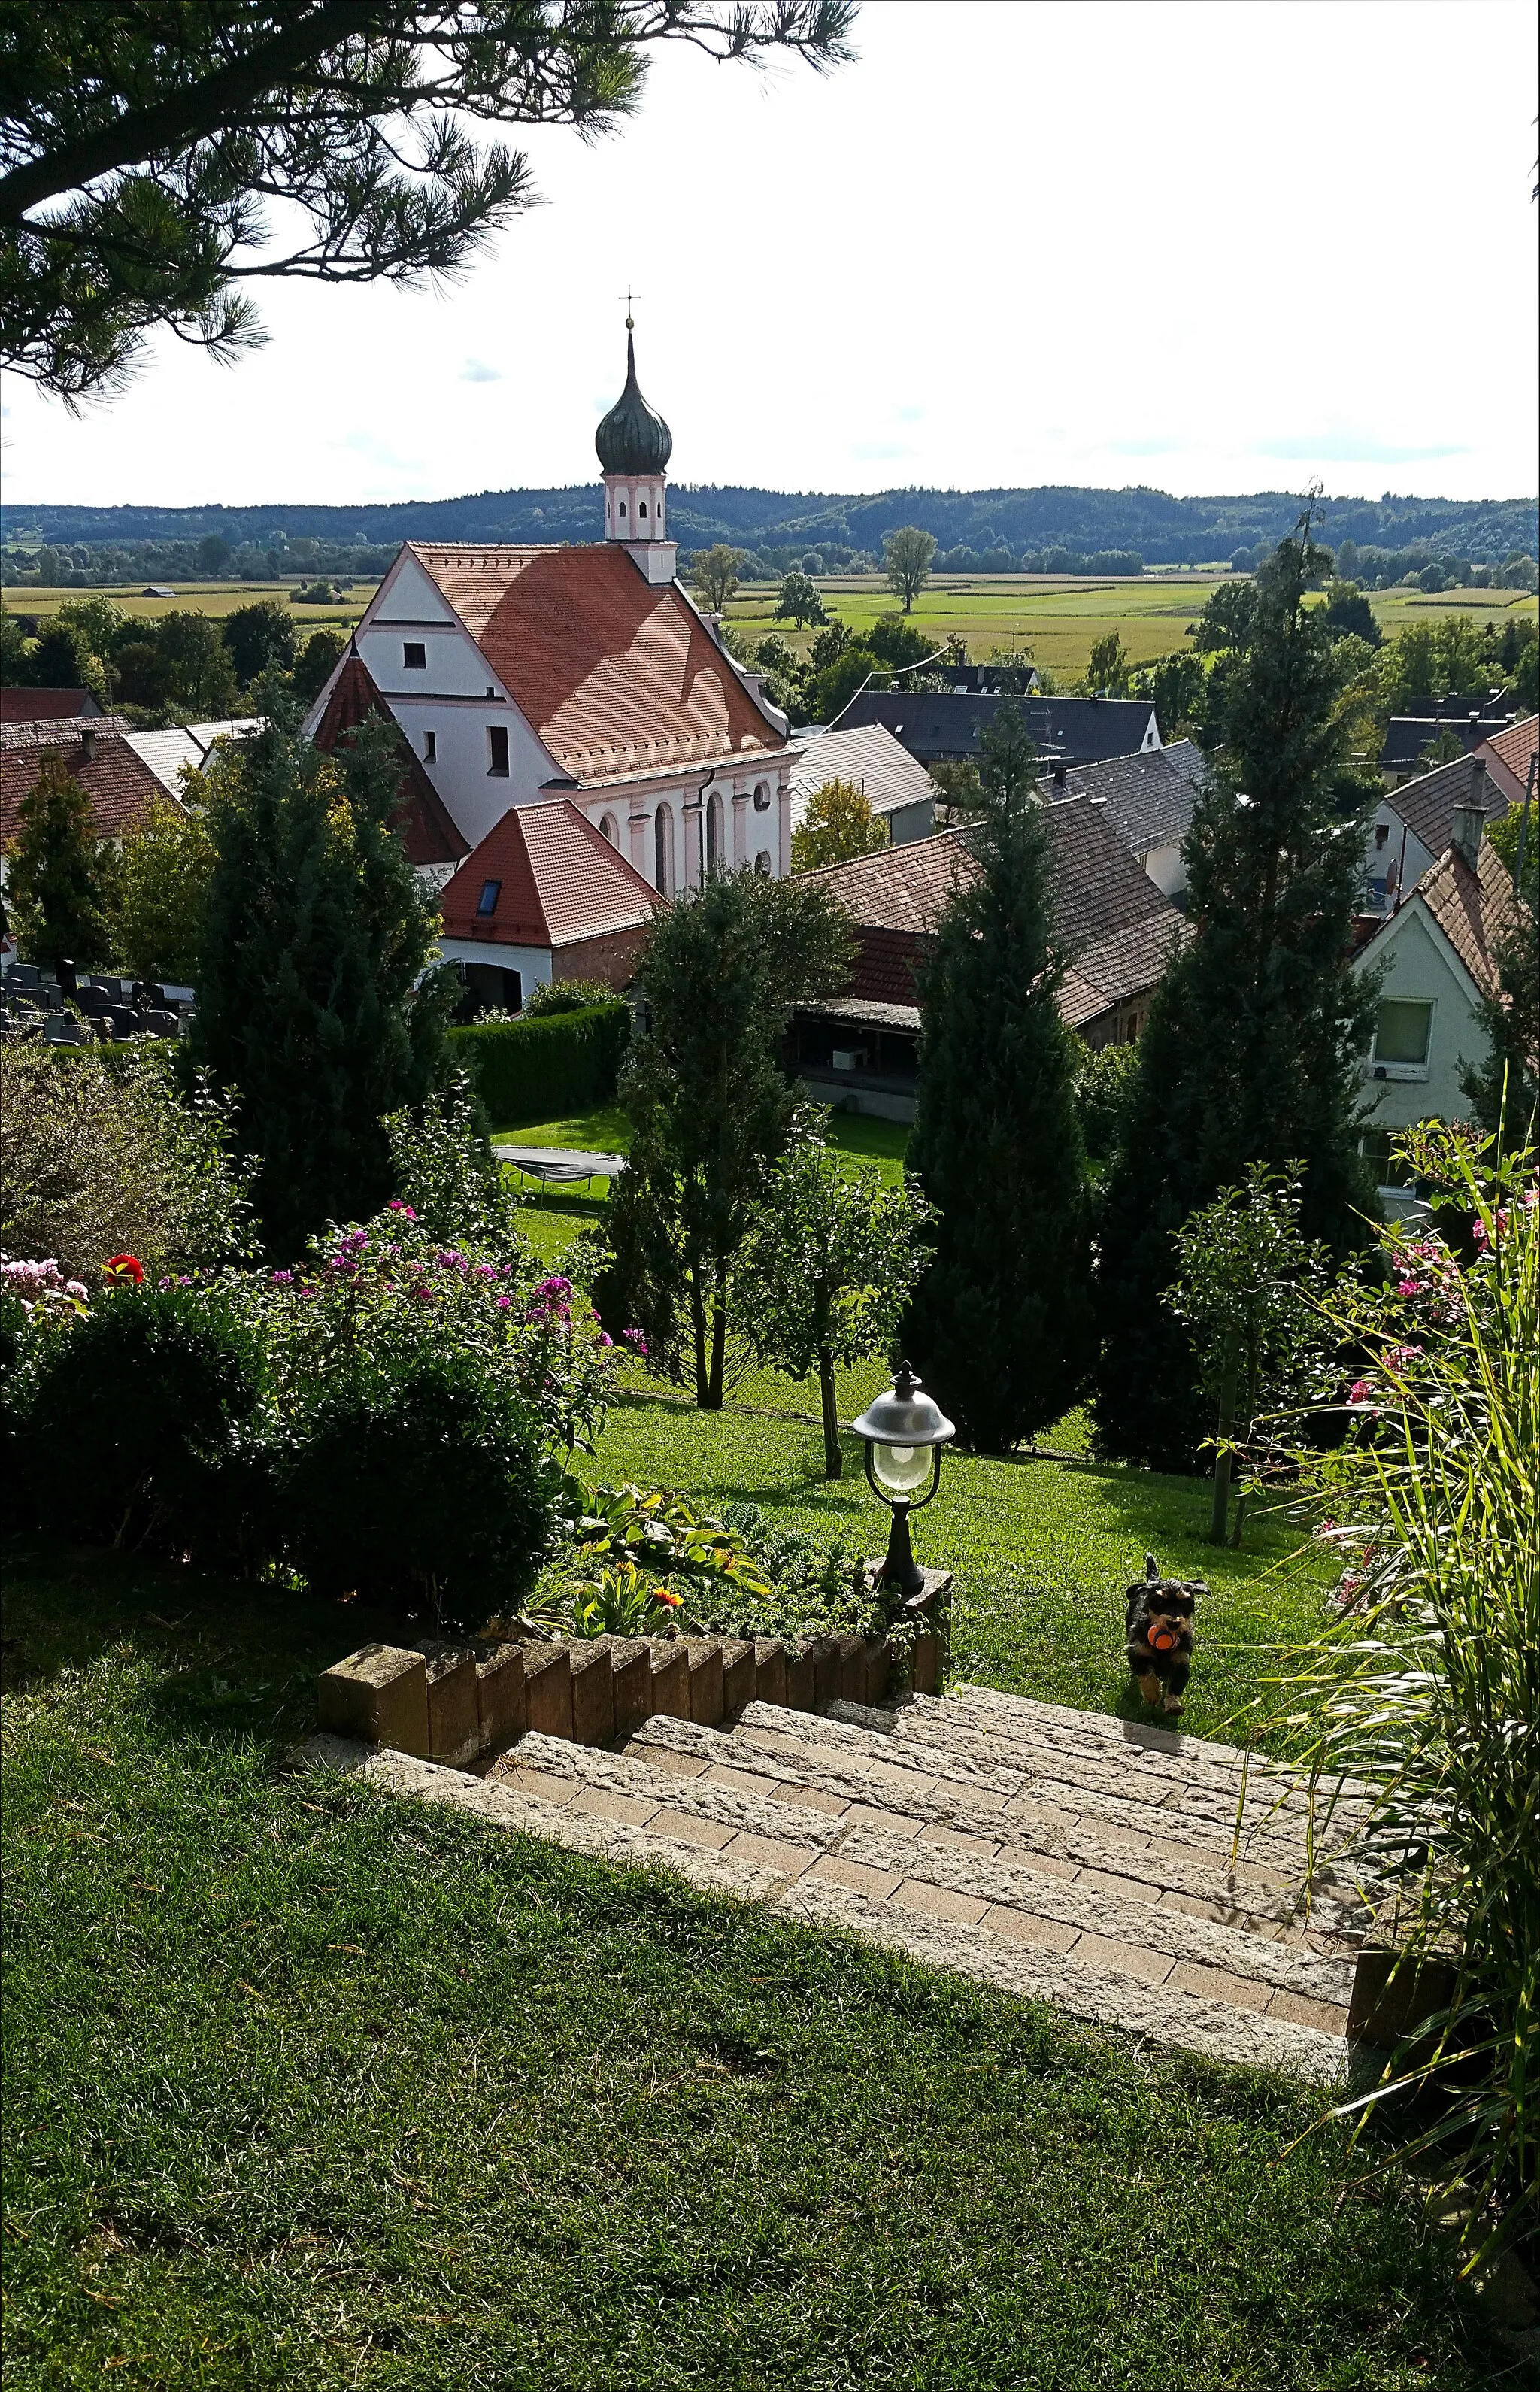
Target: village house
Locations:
point(1510, 759)
point(942, 726)
point(1148, 799)
point(96, 752)
point(1414, 824)
point(1436, 957)
point(1408, 738)
point(527, 676)
point(544, 896)
point(899, 791)
point(860, 1050)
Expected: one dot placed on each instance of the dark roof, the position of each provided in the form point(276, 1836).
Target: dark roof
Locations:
point(556, 881)
point(46, 704)
point(1427, 803)
point(1409, 734)
point(936, 725)
point(429, 830)
point(1119, 927)
point(633, 439)
point(1149, 799)
point(121, 786)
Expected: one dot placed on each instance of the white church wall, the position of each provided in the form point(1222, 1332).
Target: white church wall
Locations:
point(460, 766)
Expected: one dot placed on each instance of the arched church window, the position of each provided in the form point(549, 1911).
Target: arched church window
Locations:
point(642, 508)
point(762, 796)
point(609, 828)
point(662, 846)
point(713, 831)
point(762, 864)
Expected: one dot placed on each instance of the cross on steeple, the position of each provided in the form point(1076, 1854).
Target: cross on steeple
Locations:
point(630, 326)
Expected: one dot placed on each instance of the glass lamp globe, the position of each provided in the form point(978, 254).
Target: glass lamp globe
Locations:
point(900, 1469)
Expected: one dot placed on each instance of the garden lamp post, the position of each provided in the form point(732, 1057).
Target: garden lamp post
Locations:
point(904, 1433)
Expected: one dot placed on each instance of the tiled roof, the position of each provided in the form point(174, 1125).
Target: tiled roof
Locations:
point(1120, 966)
point(18, 705)
point(937, 723)
point(619, 676)
point(870, 758)
point(1472, 909)
point(560, 882)
point(863, 1009)
point(1098, 887)
point(427, 829)
point(1149, 799)
point(1513, 752)
point(122, 789)
point(1427, 803)
point(1408, 735)
point(56, 728)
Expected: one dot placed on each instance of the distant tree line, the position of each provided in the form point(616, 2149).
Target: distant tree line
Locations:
point(179, 666)
point(92, 565)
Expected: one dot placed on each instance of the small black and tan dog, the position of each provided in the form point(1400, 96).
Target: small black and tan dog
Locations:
point(1160, 1633)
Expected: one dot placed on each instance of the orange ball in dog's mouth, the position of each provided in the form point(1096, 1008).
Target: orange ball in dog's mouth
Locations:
point(1162, 1638)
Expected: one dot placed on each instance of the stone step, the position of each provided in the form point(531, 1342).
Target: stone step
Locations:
point(832, 1780)
point(814, 1740)
point(1277, 1801)
point(1006, 1891)
point(1092, 1976)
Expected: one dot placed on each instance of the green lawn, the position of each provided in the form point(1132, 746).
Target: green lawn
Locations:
point(310, 2088)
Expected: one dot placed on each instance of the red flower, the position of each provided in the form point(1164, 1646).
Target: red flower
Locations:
point(125, 1266)
point(666, 1594)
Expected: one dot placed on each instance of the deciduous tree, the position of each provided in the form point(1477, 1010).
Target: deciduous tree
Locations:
point(714, 575)
point(830, 1260)
point(709, 1104)
point(60, 883)
point(1108, 670)
point(839, 822)
point(260, 637)
point(907, 557)
point(166, 866)
point(798, 601)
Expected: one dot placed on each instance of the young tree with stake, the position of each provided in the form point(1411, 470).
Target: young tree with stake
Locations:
point(1246, 1275)
point(830, 1261)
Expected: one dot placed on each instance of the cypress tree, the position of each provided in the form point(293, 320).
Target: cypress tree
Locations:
point(62, 885)
point(312, 1001)
point(1000, 1325)
point(1250, 1052)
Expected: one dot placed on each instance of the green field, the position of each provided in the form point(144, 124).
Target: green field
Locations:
point(1054, 617)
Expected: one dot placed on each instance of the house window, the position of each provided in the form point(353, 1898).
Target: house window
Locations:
point(414, 656)
point(486, 903)
point(430, 746)
point(497, 751)
point(609, 828)
point(1402, 1030)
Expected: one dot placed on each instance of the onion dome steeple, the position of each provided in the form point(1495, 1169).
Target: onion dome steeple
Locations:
point(633, 439)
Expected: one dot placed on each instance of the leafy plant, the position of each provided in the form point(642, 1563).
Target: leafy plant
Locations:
point(1426, 1693)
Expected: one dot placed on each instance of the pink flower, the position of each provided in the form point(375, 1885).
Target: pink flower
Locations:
point(1359, 1392)
point(405, 1210)
point(634, 1337)
point(1408, 1287)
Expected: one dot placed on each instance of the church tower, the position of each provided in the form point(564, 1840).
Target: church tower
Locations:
point(634, 445)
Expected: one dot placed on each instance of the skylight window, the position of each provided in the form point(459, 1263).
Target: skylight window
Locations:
point(490, 891)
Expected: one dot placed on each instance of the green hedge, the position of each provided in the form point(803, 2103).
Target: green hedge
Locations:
point(557, 1063)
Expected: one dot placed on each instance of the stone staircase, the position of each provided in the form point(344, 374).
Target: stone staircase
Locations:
point(1063, 1855)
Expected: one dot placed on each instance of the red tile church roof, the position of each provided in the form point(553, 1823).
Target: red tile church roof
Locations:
point(619, 676)
point(558, 881)
point(428, 831)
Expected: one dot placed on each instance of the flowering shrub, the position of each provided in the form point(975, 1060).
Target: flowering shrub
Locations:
point(40, 1288)
point(385, 1291)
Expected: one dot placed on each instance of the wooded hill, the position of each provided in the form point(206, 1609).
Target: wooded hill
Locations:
point(1164, 530)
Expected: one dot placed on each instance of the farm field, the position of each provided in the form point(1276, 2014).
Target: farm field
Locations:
point(1055, 616)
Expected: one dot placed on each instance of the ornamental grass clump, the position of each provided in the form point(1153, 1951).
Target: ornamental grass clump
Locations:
point(1426, 1690)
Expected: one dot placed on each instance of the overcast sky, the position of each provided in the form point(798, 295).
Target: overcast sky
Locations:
point(1213, 247)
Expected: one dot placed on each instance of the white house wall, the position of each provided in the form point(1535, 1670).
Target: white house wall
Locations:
point(1420, 964)
point(534, 963)
point(1166, 869)
point(1399, 850)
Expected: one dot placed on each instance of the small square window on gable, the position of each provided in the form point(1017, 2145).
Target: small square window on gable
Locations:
point(497, 751)
point(414, 656)
point(490, 891)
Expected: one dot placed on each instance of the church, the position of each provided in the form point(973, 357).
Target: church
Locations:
point(568, 702)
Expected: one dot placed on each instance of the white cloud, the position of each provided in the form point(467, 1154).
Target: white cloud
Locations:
point(1127, 237)
point(473, 370)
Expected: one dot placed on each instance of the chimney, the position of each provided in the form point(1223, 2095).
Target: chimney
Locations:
point(1468, 818)
point(87, 743)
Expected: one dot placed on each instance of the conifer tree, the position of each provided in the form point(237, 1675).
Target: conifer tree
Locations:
point(312, 1000)
point(1000, 1325)
point(1250, 1052)
point(61, 885)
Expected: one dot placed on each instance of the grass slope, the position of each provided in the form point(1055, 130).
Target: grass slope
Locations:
point(310, 2088)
